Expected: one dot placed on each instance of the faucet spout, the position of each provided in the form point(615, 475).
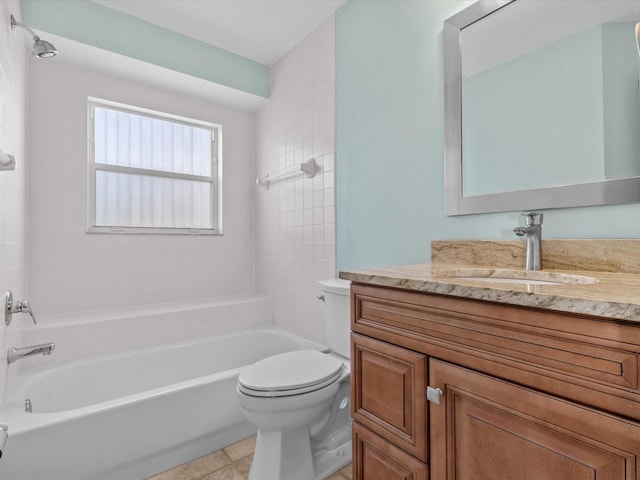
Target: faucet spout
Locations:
point(15, 354)
point(532, 233)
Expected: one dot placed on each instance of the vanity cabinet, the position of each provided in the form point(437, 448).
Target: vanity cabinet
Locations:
point(514, 392)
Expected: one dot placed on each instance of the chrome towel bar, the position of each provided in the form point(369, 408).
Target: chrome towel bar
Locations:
point(308, 168)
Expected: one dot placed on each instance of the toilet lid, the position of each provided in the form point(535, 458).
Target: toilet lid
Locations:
point(290, 373)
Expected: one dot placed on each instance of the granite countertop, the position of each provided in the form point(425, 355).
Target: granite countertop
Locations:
point(601, 293)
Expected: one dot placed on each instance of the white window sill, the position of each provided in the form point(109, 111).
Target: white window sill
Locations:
point(153, 230)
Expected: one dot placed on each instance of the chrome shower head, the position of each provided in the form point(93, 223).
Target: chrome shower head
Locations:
point(41, 48)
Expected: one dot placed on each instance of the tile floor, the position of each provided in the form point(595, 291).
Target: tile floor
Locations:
point(230, 463)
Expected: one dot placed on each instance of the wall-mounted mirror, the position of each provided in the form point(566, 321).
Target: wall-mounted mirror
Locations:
point(542, 105)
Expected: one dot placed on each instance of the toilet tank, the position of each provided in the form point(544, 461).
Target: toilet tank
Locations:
point(336, 313)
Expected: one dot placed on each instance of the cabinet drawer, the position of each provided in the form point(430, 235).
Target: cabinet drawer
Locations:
point(388, 393)
point(586, 348)
point(376, 459)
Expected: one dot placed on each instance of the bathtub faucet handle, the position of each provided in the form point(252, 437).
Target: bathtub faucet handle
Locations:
point(26, 308)
point(20, 306)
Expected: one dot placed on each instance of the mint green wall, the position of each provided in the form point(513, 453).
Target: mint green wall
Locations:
point(102, 27)
point(390, 148)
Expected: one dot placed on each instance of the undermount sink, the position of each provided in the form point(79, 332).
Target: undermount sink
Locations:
point(510, 280)
point(526, 277)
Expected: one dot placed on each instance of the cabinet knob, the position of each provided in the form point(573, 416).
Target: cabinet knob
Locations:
point(434, 395)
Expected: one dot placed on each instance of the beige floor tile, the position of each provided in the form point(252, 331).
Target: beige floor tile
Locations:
point(226, 473)
point(196, 468)
point(244, 465)
point(336, 476)
point(230, 463)
point(241, 449)
point(347, 472)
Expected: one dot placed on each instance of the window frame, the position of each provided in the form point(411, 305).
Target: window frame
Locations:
point(215, 179)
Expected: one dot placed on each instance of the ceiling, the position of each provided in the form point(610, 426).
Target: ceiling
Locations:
point(262, 30)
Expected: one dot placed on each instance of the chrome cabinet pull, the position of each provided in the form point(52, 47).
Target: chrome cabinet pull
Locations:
point(434, 395)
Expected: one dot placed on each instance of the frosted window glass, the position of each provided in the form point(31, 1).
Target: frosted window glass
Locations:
point(152, 170)
point(129, 200)
point(138, 141)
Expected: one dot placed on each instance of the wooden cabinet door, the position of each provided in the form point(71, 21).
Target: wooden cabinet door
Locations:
point(388, 393)
point(489, 429)
point(376, 459)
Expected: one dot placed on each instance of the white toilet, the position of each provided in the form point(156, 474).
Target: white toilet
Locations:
point(299, 401)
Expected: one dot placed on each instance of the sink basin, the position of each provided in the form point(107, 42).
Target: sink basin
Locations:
point(510, 280)
point(522, 277)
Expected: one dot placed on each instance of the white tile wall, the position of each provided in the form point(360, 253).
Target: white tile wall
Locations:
point(13, 66)
point(295, 219)
point(70, 270)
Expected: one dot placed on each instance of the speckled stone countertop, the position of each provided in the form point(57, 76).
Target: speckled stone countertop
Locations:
point(591, 292)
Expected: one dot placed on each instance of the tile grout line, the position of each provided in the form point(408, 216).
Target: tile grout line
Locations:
point(226, 465)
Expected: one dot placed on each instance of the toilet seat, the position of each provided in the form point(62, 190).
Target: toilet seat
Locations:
point(291, 373)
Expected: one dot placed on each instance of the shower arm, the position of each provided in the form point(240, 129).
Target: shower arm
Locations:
point(15, 23)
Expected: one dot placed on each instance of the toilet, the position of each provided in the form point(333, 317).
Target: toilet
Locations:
point(299, 401)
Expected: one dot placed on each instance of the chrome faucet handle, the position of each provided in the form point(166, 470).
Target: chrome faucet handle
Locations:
point(8, 307)
point(26, 308)
point(533, 218)
point(12, 307)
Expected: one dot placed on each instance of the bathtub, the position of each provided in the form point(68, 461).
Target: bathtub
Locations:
point(130, 415)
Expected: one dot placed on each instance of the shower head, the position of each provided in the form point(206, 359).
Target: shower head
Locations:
point(41, 48)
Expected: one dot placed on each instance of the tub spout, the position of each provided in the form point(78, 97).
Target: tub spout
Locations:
point(17, 353)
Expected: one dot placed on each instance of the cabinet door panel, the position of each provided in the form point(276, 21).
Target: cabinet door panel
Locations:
point(376, 459)
point(490, 429)
point(388, 393)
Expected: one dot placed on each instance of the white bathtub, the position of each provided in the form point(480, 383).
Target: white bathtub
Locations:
point(130, 415)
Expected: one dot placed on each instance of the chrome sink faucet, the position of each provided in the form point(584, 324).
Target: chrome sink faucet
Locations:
point(533, 235)
point(14, 354)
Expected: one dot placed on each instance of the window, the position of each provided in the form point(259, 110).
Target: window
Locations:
point(151, 172)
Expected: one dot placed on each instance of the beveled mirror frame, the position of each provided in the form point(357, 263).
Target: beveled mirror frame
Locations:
point(606, 192)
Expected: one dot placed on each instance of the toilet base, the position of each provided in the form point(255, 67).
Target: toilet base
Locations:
point(331, 444)
point(298, 463)
point(282, 455)
point(328, 462)
point(306, 454)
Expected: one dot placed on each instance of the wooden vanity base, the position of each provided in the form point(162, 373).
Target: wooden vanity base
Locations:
point(526, 393)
